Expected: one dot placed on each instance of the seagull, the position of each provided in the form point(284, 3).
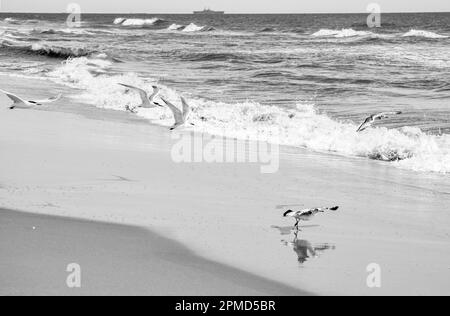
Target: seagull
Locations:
point(20, 103)
point(148, 101)
point(180, 116)
point(307, 215)
point(371, 119)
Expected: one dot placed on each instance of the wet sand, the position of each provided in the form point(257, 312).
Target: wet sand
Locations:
point(35, 251)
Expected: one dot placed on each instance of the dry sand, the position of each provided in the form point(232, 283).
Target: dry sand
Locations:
point(108, 166)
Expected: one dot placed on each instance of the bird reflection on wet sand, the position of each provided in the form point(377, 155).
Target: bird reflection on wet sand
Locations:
point(304, 249)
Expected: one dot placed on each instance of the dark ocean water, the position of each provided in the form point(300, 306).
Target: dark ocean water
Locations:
point(333, 63)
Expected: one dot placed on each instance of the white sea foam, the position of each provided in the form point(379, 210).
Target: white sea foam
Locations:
point(119, 20)
point(421, 33)
point(193, 28)
point(175, 27)
point(136, 22)
point(407, 148)
point(11, 21)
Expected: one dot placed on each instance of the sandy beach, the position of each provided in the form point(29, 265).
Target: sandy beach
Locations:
point(81, 162)
point(114, 260)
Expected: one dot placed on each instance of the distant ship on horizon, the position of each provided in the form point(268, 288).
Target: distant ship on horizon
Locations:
point(209, 11)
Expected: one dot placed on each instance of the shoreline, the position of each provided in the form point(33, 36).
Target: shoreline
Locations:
point(114, 260)
point(90, 111)
point(90, 167)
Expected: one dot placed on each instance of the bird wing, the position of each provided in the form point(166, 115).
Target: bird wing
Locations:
point(186, 109)
point(142, 93)
point(177, 115)
point(309, 212)
point(364, 125)
point(14, 98)
point(49, 100)
point(155, 93)
point(323, 209)
point(302, 212)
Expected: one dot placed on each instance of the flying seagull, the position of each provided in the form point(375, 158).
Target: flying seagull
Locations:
point(307, 215)
point(148, 101)
point(180, 116)
point(371, 119)
point(20, 103)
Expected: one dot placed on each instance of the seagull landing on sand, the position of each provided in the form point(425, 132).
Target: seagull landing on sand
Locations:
point(371, 119)
point(307, 215)
point(20, 103)
point(180, 116)
point(148, 101)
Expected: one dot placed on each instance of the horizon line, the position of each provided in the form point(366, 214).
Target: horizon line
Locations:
point(233, 13)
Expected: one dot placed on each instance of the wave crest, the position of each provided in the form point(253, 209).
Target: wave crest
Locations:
point(137, 22)
point(59, 52)
point(68, 31)
point(175, 27)
point(425, 34)
point(46, 50)
point(195, 28)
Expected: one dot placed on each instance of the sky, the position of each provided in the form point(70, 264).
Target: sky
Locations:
point(230, 6)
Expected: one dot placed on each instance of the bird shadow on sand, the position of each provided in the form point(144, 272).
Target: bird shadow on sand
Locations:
point(304, 249)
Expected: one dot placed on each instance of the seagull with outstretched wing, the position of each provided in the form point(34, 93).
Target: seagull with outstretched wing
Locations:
point(307, 215)
point(180, 116)
point(371, 119)
point(20, 103)
point(148, 101)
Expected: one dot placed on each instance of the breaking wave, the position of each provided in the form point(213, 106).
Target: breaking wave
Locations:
point(175, 27)
point(195, 28)
point(45, 50)
point(425, 34)
point(302, 126)
point(59, 52)
point(119, 21)
point(137, 22)
point(191, 28)
point(11, 21)
point(345, 33)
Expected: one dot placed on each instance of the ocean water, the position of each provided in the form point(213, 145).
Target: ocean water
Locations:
point(297, 80)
